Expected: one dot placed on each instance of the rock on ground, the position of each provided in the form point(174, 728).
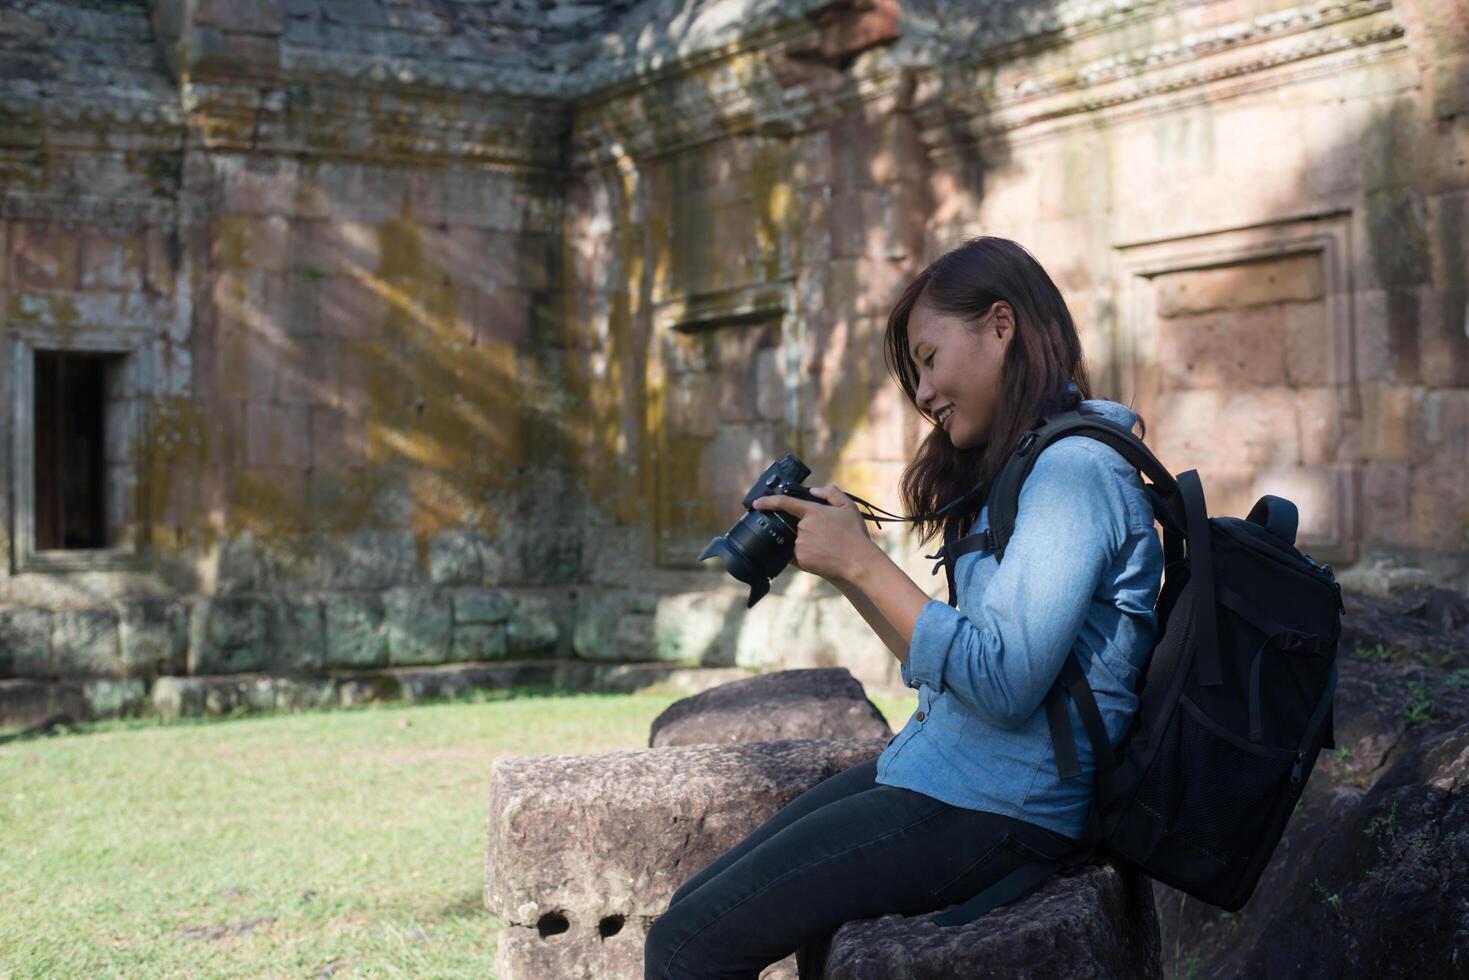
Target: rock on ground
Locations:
point(1096, 923)
point(1392, 705)
point(818, 703)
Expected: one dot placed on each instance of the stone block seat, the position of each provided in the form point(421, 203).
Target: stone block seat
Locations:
point(812, 703)
point(585, 851)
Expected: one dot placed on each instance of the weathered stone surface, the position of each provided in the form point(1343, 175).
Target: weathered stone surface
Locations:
point(25, 642)
point(372, 559)
point(176, 697)
point(85, 643)
point(420, 624)
point(109, 697)
point(1378, 888)
point(154, 635)
point(356, 634)
point(26, 701)
point(480, 606)
point(454, 558)
point(613, 625)
point(298, 637)
point(531, 627)
point(451, 680)
point(786, 704)
point(1098, 922)
point(551, 865)
point(1428, 625)
point(479, 641)
point(228, 635)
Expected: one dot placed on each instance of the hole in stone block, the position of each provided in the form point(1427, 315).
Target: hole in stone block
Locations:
point(610, 925)
point(552, 924)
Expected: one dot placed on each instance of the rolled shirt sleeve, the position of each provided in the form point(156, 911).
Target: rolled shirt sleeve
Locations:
point(1001, 654)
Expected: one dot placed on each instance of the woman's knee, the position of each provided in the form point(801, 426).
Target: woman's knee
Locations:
point(666, 940)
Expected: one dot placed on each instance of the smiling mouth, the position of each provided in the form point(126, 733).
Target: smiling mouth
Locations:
point(943, 416)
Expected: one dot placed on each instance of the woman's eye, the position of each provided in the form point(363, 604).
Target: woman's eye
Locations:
point(928, 361)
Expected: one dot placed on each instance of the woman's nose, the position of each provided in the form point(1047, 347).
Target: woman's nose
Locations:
point(924, 395)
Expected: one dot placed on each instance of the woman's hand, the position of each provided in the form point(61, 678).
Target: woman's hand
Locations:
point(832, 539)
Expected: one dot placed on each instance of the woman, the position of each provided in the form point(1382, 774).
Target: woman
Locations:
point(982, 343)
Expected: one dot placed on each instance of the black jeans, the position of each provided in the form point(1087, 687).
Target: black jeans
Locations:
point(846, 849)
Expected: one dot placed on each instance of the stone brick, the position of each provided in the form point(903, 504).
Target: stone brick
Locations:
point(532, 627)
point(242, 242)
point(111, 261)
point(1443, 425)
point(277, 435)
point(351, 309)
point(1444, 337)
point(108, 697)
point(1308, 343)
point(298, 637)
point(1297, 278)
point(1389, 414)
point(255, 184)
point(454, 558)
point(154, 637)
point(1199, 427)
point(1226, 349)
point(1385, 350)
point(419, 624)
point(502, 315)
point(42, 257)
point(1385, 501)
point(480, 606)
point(84, 643)
point(690, 803)
point(257, 17)
point(337, 439)
point(335, 247)
point(228, 635)
point(25, 642)
point(1438, 506)
point(1316, 421)
point(479, 641)
point(373, 559)
point(249, 362)
point(269, 496)
point(356, 634)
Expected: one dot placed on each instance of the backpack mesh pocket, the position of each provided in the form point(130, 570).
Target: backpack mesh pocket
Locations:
point(1216, 799)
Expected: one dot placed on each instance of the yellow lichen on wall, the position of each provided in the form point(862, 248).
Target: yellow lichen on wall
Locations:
point(444, 415)
point(173, 456)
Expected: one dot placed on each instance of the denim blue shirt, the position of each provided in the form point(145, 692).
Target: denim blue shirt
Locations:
point(1081, 572)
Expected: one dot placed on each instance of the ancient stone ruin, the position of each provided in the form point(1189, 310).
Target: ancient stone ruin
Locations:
point(351, 338)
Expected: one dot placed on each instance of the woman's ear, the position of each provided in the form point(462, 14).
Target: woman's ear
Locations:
point(1003, 319)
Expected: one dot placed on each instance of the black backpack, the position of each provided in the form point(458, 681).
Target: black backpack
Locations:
point(1235, 700)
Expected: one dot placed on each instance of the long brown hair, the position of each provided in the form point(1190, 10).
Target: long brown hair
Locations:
point(1042, 357)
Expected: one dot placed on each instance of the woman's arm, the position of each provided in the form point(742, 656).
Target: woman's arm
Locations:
point(886, 597)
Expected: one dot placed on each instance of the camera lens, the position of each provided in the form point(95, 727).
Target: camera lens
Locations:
point(755, 550)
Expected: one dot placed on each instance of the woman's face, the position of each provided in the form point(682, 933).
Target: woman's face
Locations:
point(959, 368)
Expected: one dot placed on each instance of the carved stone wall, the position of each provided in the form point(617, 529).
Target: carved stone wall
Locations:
point(453, 329)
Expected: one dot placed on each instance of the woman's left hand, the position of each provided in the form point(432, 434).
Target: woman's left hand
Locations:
point(832, 539)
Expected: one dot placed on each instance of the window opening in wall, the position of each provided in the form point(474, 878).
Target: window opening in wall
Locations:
point(71, 406)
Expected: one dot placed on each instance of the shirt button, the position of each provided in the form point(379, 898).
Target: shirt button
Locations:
point(920, 716)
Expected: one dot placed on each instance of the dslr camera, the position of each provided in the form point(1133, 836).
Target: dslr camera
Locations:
point(762, 542)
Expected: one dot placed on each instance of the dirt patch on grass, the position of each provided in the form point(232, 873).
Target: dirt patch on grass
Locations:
point(235, 929)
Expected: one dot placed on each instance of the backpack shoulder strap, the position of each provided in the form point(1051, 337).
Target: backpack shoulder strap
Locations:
point(1004, 498)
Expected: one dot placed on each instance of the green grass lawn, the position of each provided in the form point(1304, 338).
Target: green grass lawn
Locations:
point(338, 843)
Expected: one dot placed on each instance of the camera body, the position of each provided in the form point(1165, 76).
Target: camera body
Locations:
point(761, 543)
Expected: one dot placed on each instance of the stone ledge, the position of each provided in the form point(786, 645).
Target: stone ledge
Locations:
point(25, 702)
